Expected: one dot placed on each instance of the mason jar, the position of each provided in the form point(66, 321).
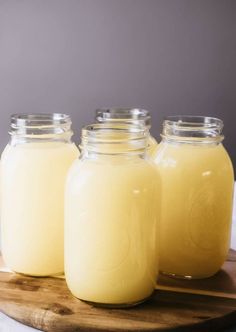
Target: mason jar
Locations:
point(131, 116)
point(197, 192)
point(34, 165)
point(111, 218)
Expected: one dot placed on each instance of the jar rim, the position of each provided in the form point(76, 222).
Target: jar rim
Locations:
point(40, 125)
point(127, 114)
point(192, 128)
point(125, 111)
point(193, 120)
point(95, 127)
point(33, 119)
point(120, 137)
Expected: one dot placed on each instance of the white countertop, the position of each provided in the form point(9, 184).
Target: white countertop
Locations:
point(9, 325)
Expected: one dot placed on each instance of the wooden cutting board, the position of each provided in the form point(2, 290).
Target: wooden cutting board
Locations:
point(46, 304)
point(223, 284)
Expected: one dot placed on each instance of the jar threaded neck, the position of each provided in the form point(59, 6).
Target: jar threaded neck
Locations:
point(192, 129)
point(40, 125)
point(104, 138)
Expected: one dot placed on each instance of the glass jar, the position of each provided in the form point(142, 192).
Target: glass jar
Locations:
point(111, 216)
point(197, 192)
point(33, 170)
point(132, 116)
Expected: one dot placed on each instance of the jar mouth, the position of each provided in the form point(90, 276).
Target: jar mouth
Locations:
point(193, 128)
point(193, 121)
point(124, 114)
point(39, 123)
point(36, 119)
point(115, 138)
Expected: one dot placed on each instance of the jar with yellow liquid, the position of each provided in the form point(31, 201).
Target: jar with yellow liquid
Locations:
point(197, 191)
point(132, 116)
point(33, 171)
point(111, 218)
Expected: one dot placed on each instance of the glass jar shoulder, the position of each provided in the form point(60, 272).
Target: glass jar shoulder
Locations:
point(112, 171)
point(29, 161)
point(152, 145)
point(172, 155)
point(5, 152)
point(39, 149)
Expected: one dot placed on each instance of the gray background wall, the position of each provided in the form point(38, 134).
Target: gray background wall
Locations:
point(72, 56)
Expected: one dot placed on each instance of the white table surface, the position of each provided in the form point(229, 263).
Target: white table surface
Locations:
point(9, 325)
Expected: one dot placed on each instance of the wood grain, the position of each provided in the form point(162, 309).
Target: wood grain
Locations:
point(46, 304)
point(223, 284)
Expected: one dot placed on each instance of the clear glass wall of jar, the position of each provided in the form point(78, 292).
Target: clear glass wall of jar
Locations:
point(111, 216)
point(33, 170)
point(197, 192)
point(132, 116)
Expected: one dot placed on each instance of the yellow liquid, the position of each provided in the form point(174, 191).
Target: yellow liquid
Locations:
point(111, 216)
point(197, 192)
point(32, 206)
